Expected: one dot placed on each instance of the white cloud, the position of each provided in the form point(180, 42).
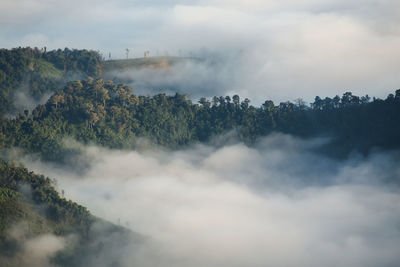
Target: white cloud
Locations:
point(37, 251)
point(274, 205)
point(34, 251)
point(281, 49)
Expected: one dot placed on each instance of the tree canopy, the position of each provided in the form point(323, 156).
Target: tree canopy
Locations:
point(99, 111)
point(36, 72)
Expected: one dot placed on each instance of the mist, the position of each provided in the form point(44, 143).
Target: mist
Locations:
point(203, 75)
point(34, 251)
point(278, 50)
point(22, 100)
point(277, 203)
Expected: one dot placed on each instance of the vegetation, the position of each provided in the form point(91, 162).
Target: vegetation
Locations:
point(148, 62)
point(110, 115)
point(35, 72)
point(25, 190)
point(91, 110)
point(30, 205)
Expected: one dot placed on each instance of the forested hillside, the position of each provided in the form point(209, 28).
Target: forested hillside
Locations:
point(36, 72)
point(85, 108)
point(111, 115)
point(31, 207)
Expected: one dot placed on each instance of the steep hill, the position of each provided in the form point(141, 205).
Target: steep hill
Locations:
point(31, 209)
point(28, 75)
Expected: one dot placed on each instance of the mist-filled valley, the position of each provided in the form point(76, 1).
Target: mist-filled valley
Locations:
point(199, 133)
point(275, 204)
point(101, 175)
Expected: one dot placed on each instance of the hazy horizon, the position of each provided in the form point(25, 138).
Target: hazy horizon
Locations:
point(279, 50)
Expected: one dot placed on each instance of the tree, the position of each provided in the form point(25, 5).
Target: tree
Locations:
point(336, 101)
point(57, 99)
point(300, 103)
point(236, 100)
point(97, 86)
point(268, 105)
point(347, 99)
point(365, 99)
point(245, 103)
point(103, 93)
point(204, 102)
point(221, 101)
point(397, 95)
point(215, 101)
point(317, 103)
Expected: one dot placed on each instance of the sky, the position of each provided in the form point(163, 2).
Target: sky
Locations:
point(270, 49)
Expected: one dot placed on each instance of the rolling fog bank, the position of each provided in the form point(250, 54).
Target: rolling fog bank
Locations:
point(275, 204)
point(282, 50)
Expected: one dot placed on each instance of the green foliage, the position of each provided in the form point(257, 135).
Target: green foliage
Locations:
point(47, 69)
point(29, 202)
point(36, 72)
point(101, 112)
point(137, 63)
point(357, 123)
point(9, 208)
point(23, 192)
point(110, 115)
point(94, 110)
point(76, 61)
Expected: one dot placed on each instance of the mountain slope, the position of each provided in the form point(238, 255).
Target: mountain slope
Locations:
point(29, 74)
point(31, 209)
point(95, 111)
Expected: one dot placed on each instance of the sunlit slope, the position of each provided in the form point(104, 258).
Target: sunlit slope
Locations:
point(145, 62)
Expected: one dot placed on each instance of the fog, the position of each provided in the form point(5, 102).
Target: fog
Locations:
point(205, 77)
point(37, 251)
point(34, 251)
point(275, 204)
point(279, 50)
point(22, 100)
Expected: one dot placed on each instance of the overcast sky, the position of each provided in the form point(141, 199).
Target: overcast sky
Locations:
point(271, 49)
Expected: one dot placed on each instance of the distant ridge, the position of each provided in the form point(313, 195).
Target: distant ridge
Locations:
point(144, 62)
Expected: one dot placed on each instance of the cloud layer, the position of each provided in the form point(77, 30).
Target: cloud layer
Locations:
point(278, 50)
point(275, 205)
point(33, 251)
